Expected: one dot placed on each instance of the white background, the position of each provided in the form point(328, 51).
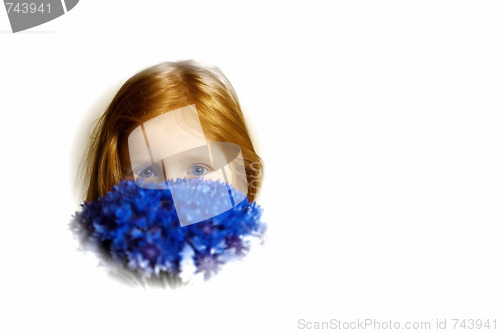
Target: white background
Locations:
point(379, 126)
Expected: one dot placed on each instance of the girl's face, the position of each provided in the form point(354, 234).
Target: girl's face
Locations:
point(173, 146)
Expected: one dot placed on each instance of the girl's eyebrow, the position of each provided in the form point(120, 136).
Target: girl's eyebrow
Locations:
point(141, 165)
point(146, 163)
point(191, 155)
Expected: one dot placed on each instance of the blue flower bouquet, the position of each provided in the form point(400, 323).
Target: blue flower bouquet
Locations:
point(137, 230)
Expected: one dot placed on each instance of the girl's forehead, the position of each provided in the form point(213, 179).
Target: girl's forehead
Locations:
point(166, 135)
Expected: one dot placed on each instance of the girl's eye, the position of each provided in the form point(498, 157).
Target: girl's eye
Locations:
point(147, 173)
point(198, 170)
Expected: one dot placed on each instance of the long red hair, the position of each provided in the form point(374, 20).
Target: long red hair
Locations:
point(152, 92)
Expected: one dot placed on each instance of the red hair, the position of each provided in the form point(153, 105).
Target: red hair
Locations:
point(152, 92)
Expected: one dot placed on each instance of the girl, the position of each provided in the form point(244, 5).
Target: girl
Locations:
point(176, 123)
point(155, 91)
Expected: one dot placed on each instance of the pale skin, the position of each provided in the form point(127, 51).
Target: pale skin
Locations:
point(173, 146)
